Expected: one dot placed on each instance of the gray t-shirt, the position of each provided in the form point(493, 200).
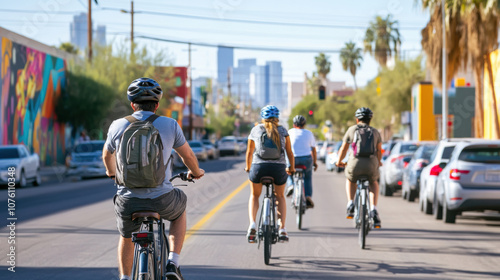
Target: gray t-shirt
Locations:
point(255, 135)
point(171, 136)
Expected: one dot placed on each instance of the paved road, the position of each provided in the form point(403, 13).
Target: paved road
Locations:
point(67, 231)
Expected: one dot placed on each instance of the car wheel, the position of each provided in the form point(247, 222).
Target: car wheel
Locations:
point(449, 216)
point(412, 194)
point(38, 178)
point(338, 169)
point(22, 180)
point(437, 209)
point(385, 190)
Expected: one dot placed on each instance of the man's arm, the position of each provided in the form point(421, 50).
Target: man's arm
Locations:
point(343, 151)
point(379, 153)
point(314, 156)
point(109, 161)
point(249, 155)
point(190, 160)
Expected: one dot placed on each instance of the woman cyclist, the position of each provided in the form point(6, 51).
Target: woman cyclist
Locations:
point(266, 157)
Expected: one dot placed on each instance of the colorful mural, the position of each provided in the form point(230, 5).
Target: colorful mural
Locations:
point(31, 83)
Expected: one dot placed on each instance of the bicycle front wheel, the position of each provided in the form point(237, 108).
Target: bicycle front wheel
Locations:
point(267, 243)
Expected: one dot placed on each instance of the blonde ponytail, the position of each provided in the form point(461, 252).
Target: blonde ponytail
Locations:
point(271, 126)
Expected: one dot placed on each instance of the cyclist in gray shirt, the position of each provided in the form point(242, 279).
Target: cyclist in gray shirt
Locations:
point(144, 95)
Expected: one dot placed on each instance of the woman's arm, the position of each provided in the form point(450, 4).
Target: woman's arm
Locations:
point(249, 155)
point(289, 154)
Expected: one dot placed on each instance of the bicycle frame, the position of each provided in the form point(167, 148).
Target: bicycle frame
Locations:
point(151, 250)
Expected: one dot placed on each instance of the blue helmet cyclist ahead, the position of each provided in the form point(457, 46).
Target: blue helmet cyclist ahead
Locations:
point(304, 150)
point(268, 160)
point(364, 160)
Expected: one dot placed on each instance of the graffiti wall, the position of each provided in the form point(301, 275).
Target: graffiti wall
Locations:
point(31, 83)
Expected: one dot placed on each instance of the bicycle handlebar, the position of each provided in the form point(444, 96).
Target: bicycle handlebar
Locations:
point(183, 176)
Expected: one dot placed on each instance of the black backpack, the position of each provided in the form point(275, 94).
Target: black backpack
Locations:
point(266, 148)
point(363, 144)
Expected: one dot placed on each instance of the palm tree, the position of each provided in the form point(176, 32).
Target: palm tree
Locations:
point(350, 57)
point(472, 33)
point(322, 65)
point(382, 39)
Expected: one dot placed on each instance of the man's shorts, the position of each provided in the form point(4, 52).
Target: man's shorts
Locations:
point(170, 206)
point(275, 170)
point(357, 167)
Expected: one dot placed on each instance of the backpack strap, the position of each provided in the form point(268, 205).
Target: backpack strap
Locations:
point(152, 118)
point(131, 119)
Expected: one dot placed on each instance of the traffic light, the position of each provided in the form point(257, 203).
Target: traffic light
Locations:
point(379, 90)
point(311, 113)
point(321, 92)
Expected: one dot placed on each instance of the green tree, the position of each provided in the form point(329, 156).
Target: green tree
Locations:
point(68, 47)
point(351, 58)
point(322, 65)
point(382, 39)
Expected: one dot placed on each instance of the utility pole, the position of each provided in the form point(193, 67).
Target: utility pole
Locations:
point(132, 28)
point(444, 133)
point(190, 95)
point(89, 30)
point(229, 82)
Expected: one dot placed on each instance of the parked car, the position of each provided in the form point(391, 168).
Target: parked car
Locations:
point(411, 174)
point(391, 173)
point(242, 141)
point(27, 166)
point(213, 152)
point(430, 173)
point(318, 146)
point(229, 145)
point(176, 160)
point(333, 157)
point(199, 150)
point(470, 181)
point(387, 148)
point(323, 152)
point(86, 160)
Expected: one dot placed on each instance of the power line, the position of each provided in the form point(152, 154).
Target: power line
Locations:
point(258, 22)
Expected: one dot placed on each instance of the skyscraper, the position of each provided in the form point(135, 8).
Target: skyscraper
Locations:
point(100, 35)
point(78, 31)
point(275, 74)
point(259, 85)
point(225, 58)
point(241, 78)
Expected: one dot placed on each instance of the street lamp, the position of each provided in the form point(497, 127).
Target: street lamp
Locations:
point(131, 12)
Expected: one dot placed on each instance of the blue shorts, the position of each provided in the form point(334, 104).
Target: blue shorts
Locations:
point(275, 170)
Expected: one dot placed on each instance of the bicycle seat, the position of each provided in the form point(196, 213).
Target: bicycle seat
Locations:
point(267, 180)
point(145, 214)
point(300, 167)
point(363, 178)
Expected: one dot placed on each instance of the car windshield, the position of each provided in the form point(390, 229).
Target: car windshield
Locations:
point(481, 154)
point(207, 143)
point(338, 145)
point(195, 144)
point(227, 140)
point(408, 148)
point(89, 147)
point(427, 152)
point(6, 153)
point(447, 152)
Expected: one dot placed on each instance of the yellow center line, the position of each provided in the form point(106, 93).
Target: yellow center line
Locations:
point(212, 212)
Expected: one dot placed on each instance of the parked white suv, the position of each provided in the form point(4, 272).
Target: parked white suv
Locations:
point(229, 145)
point(27, 166)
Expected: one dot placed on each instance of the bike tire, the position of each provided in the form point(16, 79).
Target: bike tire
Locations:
point(144, 265)
point(300, 208)
point(267, 243)
point(363, 225)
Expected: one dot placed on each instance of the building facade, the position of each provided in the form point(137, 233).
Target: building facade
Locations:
point(225, 60)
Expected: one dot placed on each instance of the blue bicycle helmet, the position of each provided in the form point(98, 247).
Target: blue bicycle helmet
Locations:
point(144, 89)
point(270, 111)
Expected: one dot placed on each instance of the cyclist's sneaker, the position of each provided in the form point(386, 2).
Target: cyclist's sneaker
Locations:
point(309, 202)
point(252, 236)
point(173, 272)
point(376, 219)
point(350, 211)
point(289, 191)
point(283, 236)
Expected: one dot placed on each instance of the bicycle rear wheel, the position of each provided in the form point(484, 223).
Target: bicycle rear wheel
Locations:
point(300, 206)
point(363, 223)
point(267, 243)
point(146, 266)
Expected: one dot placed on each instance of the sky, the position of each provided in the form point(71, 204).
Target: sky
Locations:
point(331, 23)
